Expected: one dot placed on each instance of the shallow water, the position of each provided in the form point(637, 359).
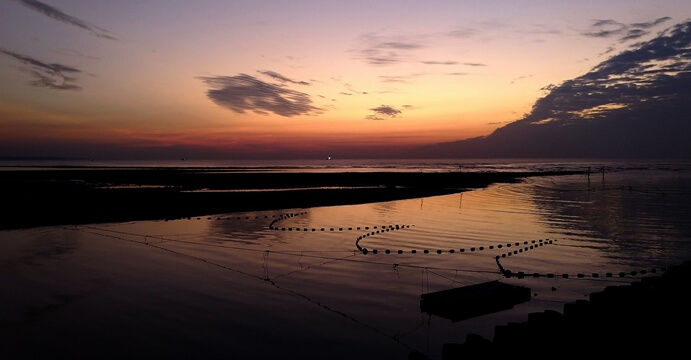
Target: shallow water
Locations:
point(294, 283)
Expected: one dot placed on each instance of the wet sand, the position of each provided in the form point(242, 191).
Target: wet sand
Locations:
point(73, 196)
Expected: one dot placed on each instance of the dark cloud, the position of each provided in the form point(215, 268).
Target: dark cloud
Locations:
point(651, 23)
point(378, 50)
point(383, 112)
point(473, 64)
point(624, 32)
point(653, 72)
point(52, 76)
point(243, 93)
point(632, 105)
point(276, 76)
point(56, 14)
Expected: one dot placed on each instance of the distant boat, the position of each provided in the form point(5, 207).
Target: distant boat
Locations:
point(328, 158)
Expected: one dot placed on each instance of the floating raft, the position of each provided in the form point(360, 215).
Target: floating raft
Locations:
point(473, 300)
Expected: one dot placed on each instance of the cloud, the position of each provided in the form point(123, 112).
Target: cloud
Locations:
point(440, 62)
point(462, 33)
point(276, 76)
point(634, 104)
point(243, 93)
point(56, 14)
point(52, 76)
point(657, 71)
point(608, 28)
point(383, 112)
point(394, 78)
point(380, 50)
point(473, 64)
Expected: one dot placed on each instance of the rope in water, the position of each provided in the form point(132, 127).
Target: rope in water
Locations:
point(527, 246)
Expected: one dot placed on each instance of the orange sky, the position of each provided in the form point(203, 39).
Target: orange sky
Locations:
point(290, 78)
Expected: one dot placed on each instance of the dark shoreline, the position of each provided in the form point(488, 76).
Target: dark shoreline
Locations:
point(73, 196)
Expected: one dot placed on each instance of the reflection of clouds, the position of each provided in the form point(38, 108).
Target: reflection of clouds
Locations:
point(48, 247)
point(625, 212)
point(52, 76)
point(242, 229)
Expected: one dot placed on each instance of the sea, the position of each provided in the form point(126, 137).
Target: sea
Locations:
point(338, 282)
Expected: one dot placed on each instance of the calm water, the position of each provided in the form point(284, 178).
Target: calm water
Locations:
point(292, 283)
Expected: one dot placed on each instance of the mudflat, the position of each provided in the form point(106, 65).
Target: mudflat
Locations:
point(70, 196)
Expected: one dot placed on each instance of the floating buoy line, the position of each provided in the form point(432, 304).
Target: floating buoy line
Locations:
point(518, 248)
point(356, 255)
point(512, 249)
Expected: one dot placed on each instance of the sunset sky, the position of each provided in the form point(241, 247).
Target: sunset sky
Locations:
point(245, 79)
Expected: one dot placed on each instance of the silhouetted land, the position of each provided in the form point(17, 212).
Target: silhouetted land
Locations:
point(69, 196)
point(650, 317)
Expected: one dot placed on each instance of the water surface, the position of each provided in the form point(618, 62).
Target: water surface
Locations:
point(294, 283)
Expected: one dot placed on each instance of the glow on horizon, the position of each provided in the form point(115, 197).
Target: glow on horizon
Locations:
point(108, 78)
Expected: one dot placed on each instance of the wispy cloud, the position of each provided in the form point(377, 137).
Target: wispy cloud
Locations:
point(56, 14)
point(276, 76)
point(53, 76)
point(383, 112)
point(440, 62)
point(243, 93)
point(394, 78)
point(382, 50)
point(608, 28)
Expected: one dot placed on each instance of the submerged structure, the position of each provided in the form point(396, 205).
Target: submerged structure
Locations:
point(474, 300)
